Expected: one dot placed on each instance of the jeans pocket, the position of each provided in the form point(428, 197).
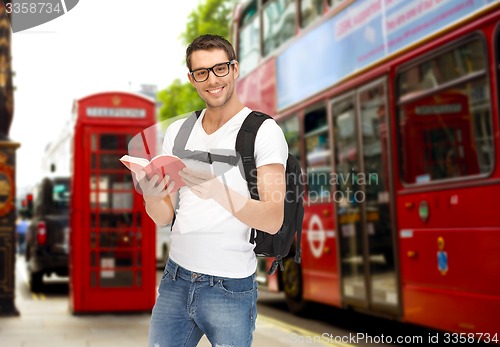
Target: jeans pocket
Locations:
point(166, 274)
point(237, 286)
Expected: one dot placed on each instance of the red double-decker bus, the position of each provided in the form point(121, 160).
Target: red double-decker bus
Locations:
point(392, 107)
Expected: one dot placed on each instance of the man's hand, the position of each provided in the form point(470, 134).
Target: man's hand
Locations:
point(202, 183)
point(153, 189)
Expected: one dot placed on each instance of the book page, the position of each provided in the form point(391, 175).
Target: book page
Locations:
point(134, 164)
point(166, 165)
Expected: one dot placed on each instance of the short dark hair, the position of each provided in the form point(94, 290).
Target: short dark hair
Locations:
point(208, 42)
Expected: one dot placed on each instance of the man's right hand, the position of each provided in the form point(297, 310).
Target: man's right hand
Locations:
point(154, 189)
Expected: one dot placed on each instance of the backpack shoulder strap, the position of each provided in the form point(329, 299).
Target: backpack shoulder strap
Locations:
point(179, 148)
point(183, 135)
point(245, 146)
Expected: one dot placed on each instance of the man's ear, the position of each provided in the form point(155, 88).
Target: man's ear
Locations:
point(236, 67)
point(191, 80)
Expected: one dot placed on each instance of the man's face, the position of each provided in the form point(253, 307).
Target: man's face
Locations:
point(215, 91)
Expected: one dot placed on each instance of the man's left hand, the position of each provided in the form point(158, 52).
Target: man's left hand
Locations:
point(202, 183)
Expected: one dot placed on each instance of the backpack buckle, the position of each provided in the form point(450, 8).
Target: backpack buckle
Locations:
point(248, 160)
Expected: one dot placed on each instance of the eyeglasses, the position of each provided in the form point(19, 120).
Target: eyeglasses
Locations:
point(219, 70)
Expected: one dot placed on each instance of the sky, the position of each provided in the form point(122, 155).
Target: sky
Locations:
point(99, 45)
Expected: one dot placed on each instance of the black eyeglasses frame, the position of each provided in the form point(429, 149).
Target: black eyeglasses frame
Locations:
point(228, 63)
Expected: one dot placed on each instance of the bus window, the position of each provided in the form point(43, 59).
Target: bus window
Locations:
point(375, 181)
point(335, 3)
point(309, 11)
point(497, 49)
point(290, 128)
point(278, 23)
point(346, 150)
point(444, 116)
point(460, 62)
point(317, 154)
point(374, 133)
point(249, 39)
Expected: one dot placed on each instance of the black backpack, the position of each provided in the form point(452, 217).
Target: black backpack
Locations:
point(277, 245)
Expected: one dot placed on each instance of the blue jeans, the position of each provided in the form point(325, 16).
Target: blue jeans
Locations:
point(190, 305)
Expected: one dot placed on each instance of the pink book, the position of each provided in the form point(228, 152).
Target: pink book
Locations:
point(160, 165)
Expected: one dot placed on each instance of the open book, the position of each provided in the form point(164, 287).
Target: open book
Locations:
point(160, 165)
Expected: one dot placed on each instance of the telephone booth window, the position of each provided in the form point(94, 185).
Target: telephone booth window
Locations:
point(117, 257)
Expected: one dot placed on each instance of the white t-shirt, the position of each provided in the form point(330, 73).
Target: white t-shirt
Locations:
point(206, 238)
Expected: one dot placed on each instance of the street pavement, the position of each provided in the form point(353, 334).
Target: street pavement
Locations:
point(45, 321)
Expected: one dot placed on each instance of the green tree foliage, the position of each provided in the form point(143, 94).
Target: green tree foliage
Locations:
point(177, 99)
point(210, 17)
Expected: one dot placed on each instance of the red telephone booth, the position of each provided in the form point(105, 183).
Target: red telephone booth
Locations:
point(112, 256)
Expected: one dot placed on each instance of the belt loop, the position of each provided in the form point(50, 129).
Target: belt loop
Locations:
point(211, 281)
point(174, 272)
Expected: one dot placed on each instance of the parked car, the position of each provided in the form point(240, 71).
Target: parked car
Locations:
point(47, 238)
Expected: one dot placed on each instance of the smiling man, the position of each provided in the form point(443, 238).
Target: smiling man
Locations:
point(209, 286)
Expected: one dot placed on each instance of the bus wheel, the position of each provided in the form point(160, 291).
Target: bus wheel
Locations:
point(292, 286)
